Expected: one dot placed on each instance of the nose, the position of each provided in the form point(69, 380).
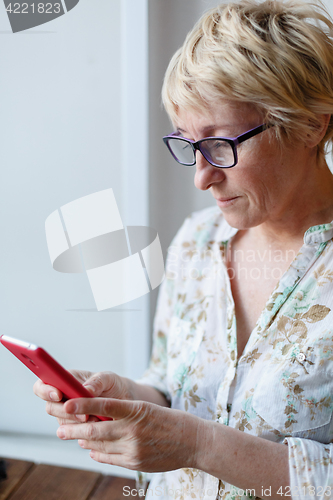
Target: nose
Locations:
point(206, 174)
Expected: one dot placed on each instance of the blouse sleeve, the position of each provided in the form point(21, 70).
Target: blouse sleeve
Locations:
point(155, 375)
point(310, 469)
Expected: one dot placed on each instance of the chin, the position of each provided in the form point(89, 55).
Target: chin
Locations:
point(241, 221)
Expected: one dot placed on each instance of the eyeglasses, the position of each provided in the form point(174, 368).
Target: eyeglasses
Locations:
point(219, 151)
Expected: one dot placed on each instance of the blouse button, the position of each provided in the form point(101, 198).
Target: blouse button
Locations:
point(300, 357)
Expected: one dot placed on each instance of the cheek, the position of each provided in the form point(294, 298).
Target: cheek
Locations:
point(258, 188)
point(257, 172)
point(246, 179)
point(263, 176)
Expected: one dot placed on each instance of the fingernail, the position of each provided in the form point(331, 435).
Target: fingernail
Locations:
point(81, 418)
point(90, 388)
point(61, 433)
point(54, 396)
point(81, 443)
point(73, 408)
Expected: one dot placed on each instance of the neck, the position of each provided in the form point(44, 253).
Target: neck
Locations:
point(310, 205)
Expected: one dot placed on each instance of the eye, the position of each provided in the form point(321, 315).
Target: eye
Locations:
point(219, 145)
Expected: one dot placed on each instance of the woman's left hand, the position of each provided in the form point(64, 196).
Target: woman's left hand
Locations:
point(142, 436)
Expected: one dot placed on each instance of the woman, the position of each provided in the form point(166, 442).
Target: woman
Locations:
point(243, 349)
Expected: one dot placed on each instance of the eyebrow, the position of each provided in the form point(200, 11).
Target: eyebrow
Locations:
point(204, 129)
point(209, 127)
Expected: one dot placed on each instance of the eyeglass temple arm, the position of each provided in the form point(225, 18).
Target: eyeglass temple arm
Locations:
point(252, 133)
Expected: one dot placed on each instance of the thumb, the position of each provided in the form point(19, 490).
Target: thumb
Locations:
point(95, 384)
point(100, 383)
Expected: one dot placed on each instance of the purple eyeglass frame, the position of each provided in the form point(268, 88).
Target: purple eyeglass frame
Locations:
point(233, 141)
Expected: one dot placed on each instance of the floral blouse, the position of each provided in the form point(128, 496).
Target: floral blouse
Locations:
point(281, 387)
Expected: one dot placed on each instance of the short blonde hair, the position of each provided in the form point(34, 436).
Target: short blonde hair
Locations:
point(277, 55)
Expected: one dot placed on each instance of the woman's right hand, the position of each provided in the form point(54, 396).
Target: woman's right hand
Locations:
point(101, 384)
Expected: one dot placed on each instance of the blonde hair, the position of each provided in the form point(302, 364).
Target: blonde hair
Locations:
point(277, 55)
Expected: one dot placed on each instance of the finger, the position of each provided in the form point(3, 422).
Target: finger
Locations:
point(91, 418)
point(47, 392)
point(104, 458)
point(91, 431)
point(110, 447)
point(113, 459)
point(101, 382)
point(57, 410)
point(106, 407)
point(64, 421)
point(81, 375)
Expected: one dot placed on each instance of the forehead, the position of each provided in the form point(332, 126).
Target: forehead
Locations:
point(217, 116)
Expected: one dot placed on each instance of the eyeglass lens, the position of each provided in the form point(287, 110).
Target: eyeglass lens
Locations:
point(182, 151)
point(218, 152)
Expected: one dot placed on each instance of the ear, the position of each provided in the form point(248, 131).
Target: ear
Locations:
point(318, 131)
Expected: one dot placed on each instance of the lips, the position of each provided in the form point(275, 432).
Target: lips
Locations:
point(226, 201)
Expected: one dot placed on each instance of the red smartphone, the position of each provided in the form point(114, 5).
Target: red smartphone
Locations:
point(47, 369)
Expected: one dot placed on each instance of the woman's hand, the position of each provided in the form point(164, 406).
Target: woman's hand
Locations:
point(103, 384)
point(143, 436)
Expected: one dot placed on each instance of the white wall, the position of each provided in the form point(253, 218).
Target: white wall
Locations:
point(60, 137)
